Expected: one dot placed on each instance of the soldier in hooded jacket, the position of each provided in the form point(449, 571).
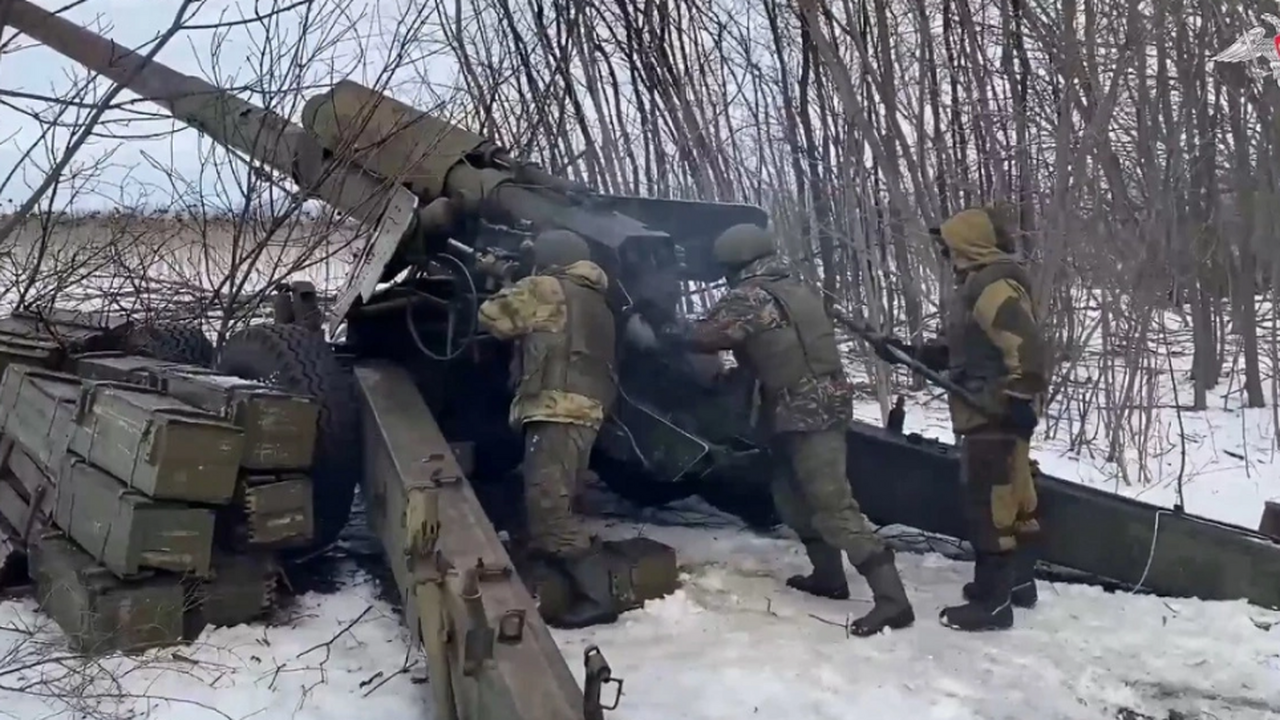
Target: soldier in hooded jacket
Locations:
point(778, 329)
point(563, 368)
point(992, 348)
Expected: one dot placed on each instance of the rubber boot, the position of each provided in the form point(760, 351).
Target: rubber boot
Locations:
point(1024, 593)
point(827, 579)
point(978, 588)
point(993, 611)
point(892, 608)
point(595, 603)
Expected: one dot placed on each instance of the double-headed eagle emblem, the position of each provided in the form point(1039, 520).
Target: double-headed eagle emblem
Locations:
point(1258, 48)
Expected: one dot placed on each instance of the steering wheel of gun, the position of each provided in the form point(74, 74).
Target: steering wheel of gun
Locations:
point(465, 287)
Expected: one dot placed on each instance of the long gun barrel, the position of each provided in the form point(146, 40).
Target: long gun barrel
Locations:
point(397, 170)
point(231, 122)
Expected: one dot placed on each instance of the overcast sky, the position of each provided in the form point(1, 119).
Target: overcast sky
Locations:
point(352, 40)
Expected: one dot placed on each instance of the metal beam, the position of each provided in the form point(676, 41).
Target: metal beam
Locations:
point(914, 481)
point(491, 656)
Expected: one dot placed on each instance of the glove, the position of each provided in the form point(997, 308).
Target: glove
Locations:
point(640, 333)
point(1022, 417)
point(882, 350)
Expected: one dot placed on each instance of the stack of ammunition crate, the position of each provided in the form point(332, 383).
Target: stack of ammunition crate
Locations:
point(151, 498)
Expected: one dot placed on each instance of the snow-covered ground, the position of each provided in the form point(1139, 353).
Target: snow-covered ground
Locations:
point(734, 642)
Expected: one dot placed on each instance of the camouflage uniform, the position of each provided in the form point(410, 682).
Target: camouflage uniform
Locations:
point(565, 384)
point(993, 349)
point(779, 330)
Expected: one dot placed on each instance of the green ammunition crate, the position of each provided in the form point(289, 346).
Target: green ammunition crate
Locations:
point(279, 427)
point(38, 410)
point(27, 497)
point(15, 510)
point(115, 366)
point(241, 590)
point(646, 570)
point(640, 569)
point(23, 350)
point(99, 612)
point(156, 444)
point(127, 531)
point(279, 514)
point(270, 512)
point(55, 334)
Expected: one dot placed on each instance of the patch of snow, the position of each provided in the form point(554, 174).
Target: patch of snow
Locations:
point(735, 642)
point(322, 664)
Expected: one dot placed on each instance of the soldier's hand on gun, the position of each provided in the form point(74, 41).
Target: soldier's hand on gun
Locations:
point(488, 263)
point(500, 266)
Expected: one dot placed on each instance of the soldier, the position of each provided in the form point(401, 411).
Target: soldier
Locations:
point(994, 349)
point(564, 367)
point(779, 330)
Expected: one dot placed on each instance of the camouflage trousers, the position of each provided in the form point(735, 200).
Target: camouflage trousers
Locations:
point(812, 493)
point(555, 460)
point(1000, 495)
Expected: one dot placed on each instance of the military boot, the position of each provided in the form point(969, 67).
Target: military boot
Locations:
point(892, 608)
point(993, 609)
point(1024, 593)
point(979, 587)
point(827, 579)
point(595, 603)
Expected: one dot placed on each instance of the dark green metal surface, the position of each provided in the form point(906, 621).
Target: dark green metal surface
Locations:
point(911, 480)
point(99, 612)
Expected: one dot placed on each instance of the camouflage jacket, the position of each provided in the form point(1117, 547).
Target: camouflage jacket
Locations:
point(995, 348)
point(748, 311)
point(563, 367)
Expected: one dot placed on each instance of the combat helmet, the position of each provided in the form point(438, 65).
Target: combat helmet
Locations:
point(559, 248)
point(742, 244)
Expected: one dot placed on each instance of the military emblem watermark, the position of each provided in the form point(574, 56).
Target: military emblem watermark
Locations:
point(1258, 48)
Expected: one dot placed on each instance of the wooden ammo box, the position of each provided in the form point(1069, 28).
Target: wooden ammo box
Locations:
point(276, 513)
point(26, 496)
point(99, 612)
point(24, 350)
point(640, 570)
point(644, 569)
point(125, 530)
point(157, 444)
point(38, 410)
point(120, 367)
point(242, 589)
point(46, 338)
point(279, 427)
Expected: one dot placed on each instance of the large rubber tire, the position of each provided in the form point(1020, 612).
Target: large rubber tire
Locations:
point(751, 502)
point(633, 485)
point(295, 359)
point(172, 342)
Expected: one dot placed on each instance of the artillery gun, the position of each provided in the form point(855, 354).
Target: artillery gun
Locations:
point(414, 399)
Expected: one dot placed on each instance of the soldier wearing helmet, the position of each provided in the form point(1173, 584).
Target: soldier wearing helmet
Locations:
point(563, 367)
point(992, 348)
point(779, 330)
